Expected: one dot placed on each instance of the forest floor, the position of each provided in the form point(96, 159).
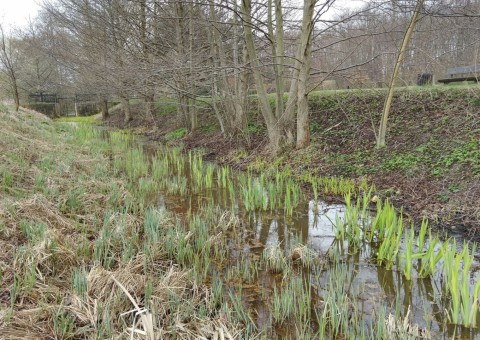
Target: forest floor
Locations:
point(430, 168)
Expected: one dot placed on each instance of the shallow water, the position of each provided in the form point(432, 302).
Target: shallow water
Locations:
point(311, 223)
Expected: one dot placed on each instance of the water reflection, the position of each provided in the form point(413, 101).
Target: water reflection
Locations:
point(311, 224)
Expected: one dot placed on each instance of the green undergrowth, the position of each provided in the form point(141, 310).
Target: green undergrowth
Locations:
point(79, 119)
point(175, 134)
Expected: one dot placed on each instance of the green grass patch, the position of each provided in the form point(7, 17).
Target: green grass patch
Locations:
point(175, 134)
point(81, 119)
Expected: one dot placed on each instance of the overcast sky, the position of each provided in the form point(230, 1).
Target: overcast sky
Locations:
point(17, 12)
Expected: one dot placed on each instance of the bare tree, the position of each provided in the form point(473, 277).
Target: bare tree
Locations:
point(9, 65)
point(228, 77)
point(401, 55)
point(181, 49)
point(303, 126)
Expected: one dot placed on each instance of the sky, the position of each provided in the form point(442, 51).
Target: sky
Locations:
point(17, 12)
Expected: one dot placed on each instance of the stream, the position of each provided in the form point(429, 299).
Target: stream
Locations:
point(371, 287)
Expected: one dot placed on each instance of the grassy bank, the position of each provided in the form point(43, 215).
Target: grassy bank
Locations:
point(431, 166)
point(81, 256)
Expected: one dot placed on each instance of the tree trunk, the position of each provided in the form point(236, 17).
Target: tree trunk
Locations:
point(303, 126)
point(388, 100)
point(241, 81)
point(7, 61)
point(274, 134)
point(191, 34)
point(126, 109)
point(288, 121)
point(181, 81)
point(104, 104)
point(215, 108)
point(16, 96)
point(277, 52)
point(232, 95)
point(150, 106)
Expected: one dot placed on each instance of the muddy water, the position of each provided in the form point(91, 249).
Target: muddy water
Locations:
point(311, 224)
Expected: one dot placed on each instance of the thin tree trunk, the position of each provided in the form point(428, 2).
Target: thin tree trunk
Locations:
point(288, 119)
point(6, 60)
point(240, 90)
point(16, 96)
point(277, 52)
point(241, 99)
point(232, 96)
point(303, 126)
point(273, 130)
point(279, 58)
point(150, 105)
point(388, 100)
point(182, 108)
point(214, 105)
point(192, 107)
point(126, 109)
point(104, 104)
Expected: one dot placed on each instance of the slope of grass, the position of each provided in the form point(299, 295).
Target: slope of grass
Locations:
point(78, 255)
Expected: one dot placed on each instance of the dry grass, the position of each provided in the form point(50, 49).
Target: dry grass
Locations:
point(403, 329)
point(57, 214)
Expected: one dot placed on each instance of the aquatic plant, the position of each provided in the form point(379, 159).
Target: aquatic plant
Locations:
point(408, 254)
point(208, 175)
point(136, 163)
point(283, 304)
point(432, 256)
point(463, 298)
point(388, 250)
point(223, 176)
point(275, 259)
point(385, 218)
point(247, 269)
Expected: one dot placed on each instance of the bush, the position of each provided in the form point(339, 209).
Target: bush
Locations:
point(176, 134)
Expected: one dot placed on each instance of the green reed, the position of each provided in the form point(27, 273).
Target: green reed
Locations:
point(283, 304)
point(247, 269)
point(136, 163)
point(208, 175)
point(463, 298)
point(385, 219)
point(408, 254)
point(177, 185)
point(392, 238)
point(223, 176)
point(292, 196)
point(431, 257)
